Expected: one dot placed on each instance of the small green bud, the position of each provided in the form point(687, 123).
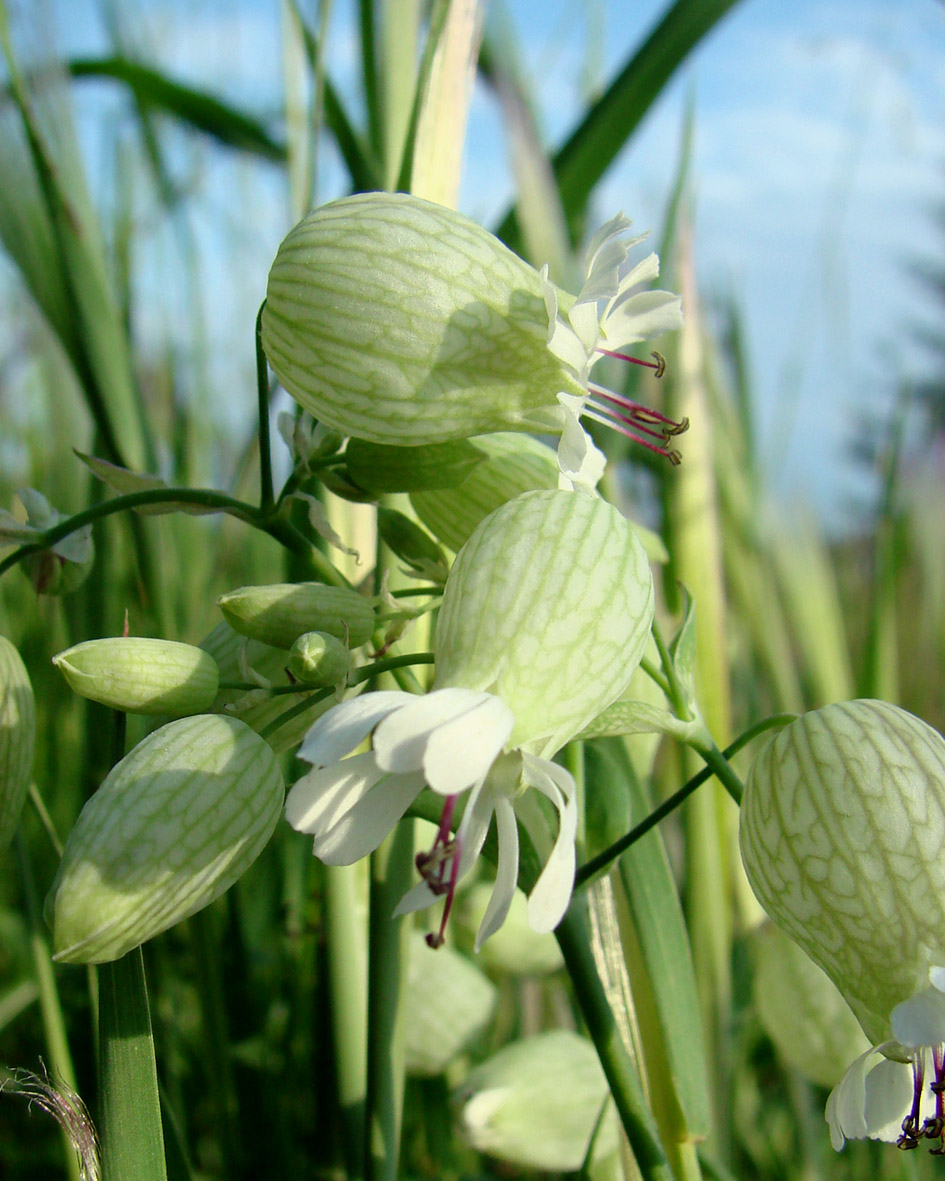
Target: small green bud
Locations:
point(399, 321)
point(174, 825)
point(280, 613)
point(566, 587)
point(378, 468)
point(316, 658)
point(411, 544)
point(512, 464)
point(141, 675)
point(17, 737)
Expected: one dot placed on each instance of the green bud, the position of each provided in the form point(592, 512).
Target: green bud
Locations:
point(802, 1012)
point(379, 469)
point(173, 826)
point(141, 675)
point(400, 321)
point(841, 831)
point(317, 658)
point(450, 1000)
point(566, 587)
point(17, 737)
point(411, 544)
point(513, 464)
point(280, 613)
point(538, 1104)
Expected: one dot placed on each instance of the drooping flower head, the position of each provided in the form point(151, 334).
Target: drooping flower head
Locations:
point(842, 830)
point(545, 616)
point(399, 321)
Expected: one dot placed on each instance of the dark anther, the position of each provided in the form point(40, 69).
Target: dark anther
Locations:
point(660, 364)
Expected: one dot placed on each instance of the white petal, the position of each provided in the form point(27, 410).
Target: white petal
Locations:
point(400, 741)
point(870, 1100)
point(639, 316)
point(506, 876)
point(566, 345)
point(345, 726)
point(551, 894)
point(920, 1021)
point(417, 898)
point(364, 826)
point(645, 271)
point(459, 753)
point(474, 827)
point(890, 1090)
point(580, 461)
point(320, 798)
point(585, 320)
point(606, 235)
point(937, 977)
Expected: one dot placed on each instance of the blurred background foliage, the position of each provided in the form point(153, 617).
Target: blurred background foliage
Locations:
point(128, 333)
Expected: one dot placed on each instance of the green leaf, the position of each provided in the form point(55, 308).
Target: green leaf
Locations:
point(659, 960)
point(132, 1139)
point(204, 112)
point(592, 147)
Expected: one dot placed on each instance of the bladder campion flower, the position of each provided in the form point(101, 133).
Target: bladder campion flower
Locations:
point(842, 830)
point(545, 615)
point(399, 321)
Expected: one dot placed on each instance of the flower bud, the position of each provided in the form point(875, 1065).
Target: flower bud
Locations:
point(317, 658)
point(399, 321)
point(566, 587)
point(141, 675)
point(173, 826)
point(280, 613)
point(541, 1103)
point(17, 737)
point(841, 830)
point(512, 464)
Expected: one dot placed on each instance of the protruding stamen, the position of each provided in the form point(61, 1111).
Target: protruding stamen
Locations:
point(432, 867)
point(658, 366)
point(911, 1125)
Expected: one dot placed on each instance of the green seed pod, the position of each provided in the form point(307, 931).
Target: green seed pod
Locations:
point(513, 464)
point(174, 825)
point(316, 658)
point(141, 675)
point(17, 737)
point(399, 321)
point(566, 587)
point(280, 613)
point(841, 833)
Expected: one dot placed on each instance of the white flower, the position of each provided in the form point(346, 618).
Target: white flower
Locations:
point(545, 615)
point(841, 830)
point(450, 740)
point(584, 333)
point(901, 1097)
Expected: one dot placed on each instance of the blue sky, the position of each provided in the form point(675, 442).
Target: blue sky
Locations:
point(819, 155)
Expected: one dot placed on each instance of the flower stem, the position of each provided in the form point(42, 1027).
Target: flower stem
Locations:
point(714, 765)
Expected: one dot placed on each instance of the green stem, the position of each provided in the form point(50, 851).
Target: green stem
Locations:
point(208, 498)
point(132, 1137)
point(713, 766)
point(266, 495)
point(347, 967)
point(636, 1118)
point(54, 1026)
